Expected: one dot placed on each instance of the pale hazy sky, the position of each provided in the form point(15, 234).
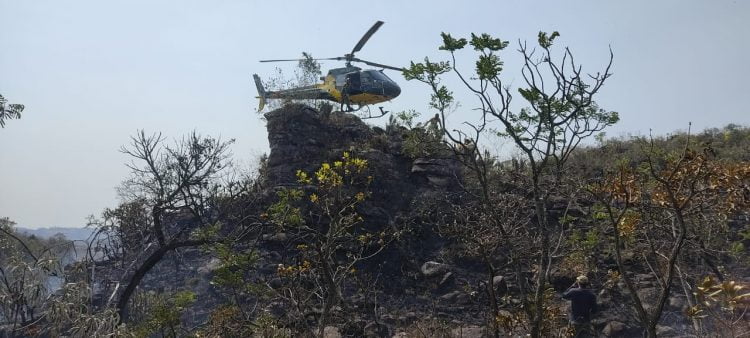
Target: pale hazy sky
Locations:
point(91, 73)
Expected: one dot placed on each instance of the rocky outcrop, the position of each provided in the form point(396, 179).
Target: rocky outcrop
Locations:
point(301, 138)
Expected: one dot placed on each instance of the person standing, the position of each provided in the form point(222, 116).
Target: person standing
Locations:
point(582, 306)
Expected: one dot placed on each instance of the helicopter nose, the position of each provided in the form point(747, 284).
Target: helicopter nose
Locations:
point(391, 90)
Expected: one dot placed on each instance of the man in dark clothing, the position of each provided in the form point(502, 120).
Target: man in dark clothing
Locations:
point(582, 306)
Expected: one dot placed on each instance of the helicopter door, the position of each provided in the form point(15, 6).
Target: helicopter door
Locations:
point(355, 83)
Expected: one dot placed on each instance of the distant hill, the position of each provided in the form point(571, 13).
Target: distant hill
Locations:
point(70, 233)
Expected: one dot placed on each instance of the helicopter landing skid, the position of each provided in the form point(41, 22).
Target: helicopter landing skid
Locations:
point(350, 109)
point(370, 116)
point(346, 108)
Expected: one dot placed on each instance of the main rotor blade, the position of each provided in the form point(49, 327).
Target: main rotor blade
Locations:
point(378, 65)
point(366, 37)
point(280, 60)
point(339, 58)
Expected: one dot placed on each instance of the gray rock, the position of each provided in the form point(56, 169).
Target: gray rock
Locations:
point(210, 267)
point(665, 331)
point(435, 167)
point(648, 296)
point(645, 278)
point(331, 332)
point(677, 303)
point(277, 237)
point(439, 181)
point(501, 286)
point(433, 269)
point(614, 329)
point(409, 316)
point(456, 297)
point(439, 172)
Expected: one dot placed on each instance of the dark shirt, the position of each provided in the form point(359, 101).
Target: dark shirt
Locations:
point(582, 304)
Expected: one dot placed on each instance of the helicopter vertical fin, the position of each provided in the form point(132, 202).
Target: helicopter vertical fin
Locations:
point(261, 92)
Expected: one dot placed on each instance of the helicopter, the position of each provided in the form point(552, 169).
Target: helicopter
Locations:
point(349, 85)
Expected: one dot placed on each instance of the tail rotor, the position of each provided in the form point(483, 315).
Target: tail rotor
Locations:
point(261, 92)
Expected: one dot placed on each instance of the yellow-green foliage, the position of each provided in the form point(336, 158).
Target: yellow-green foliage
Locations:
point(70, 314)
point(227, 321)
point(420, 139)
point(322, 218)
point(234, 266)
point(583, 247)
point(724, 304)
point(340, 185)
point(163, 316)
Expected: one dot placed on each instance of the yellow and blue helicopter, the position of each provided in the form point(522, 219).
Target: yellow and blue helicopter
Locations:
point(348, 86)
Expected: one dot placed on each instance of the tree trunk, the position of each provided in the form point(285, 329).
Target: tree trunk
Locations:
point(332, 297)
point(492, 296)
point(538, 319)
point(141, 272)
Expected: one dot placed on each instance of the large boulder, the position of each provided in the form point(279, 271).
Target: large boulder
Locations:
point(614, 329)
point(433, 269)
point(456, 297)
point(331, 332)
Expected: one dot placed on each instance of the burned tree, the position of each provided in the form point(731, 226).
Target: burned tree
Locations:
point(172, 192)
point(667, 208)
point(560, 113)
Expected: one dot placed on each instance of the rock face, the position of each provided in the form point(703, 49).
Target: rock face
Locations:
point(301, 138)
point(440, 172)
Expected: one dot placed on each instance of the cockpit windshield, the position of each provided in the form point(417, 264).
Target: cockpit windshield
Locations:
point(379, 76)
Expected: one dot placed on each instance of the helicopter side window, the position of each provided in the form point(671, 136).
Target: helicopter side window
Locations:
point(366, 79)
